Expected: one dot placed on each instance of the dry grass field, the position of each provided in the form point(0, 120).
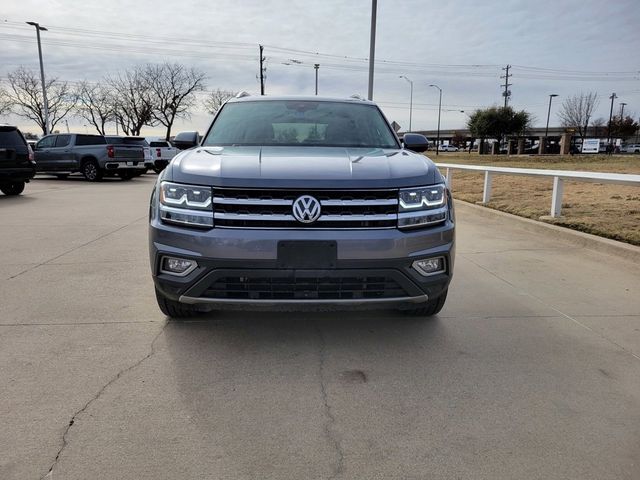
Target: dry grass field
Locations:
point(611, 211)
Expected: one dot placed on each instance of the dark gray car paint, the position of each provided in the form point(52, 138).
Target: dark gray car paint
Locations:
point(307, 167)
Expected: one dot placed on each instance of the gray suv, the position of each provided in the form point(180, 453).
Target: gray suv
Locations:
point(294, 203)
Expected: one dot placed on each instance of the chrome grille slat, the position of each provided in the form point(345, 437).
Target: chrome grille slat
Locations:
point(250, 201)
point(272, 208)
point(357, 203)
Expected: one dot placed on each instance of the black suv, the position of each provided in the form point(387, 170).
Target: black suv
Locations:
point(17, 166)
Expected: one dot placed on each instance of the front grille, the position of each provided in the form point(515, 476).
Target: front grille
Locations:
point(305, 288)
point(253, 208)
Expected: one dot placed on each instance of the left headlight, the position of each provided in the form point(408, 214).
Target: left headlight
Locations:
point(186, 205)
point(422, 206)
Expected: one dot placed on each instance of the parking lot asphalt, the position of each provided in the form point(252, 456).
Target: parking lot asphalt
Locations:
point(531, 371)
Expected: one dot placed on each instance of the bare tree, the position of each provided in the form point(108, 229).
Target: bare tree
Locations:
point(96, 105)
point(133, 100)
point(576, 111)
point(599, 126)
point(216, 98)
point(173, 87)
point(5, 102)
point(26, 95)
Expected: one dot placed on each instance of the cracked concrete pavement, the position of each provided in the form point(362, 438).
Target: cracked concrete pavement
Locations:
point(531, 370)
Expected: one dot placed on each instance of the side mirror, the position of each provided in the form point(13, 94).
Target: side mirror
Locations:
point(186, 140)
point(415, 142)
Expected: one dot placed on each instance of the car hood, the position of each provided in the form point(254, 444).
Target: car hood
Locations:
point(294, 167)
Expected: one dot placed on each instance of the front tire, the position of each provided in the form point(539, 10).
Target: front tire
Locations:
point(91, 171)
point(174, 309)
point(14, 188)
point(430, 308)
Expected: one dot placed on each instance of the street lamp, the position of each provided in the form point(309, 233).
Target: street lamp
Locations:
point(316, 66)
point(439, 110)
point(546, 130)
point(612, 97)
point(44, 89)
point(410, 100)
point(372, 46)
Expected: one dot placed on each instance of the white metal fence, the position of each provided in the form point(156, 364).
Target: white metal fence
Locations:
point(558, 176)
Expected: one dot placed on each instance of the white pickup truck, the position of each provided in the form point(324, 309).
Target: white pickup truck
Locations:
point(161, 154)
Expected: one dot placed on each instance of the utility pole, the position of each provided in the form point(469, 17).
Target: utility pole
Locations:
point(507, 93)
point(612, 97)
point(66, 122)
point(316, 66)
point(44, 88)
point(622, 104)
point(262, 70)
point(372, 46)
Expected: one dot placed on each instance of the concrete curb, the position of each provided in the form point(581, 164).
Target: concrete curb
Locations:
point(581, 239)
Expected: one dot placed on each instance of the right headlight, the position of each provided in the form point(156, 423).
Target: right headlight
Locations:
point(186, 205)
point(422, 206)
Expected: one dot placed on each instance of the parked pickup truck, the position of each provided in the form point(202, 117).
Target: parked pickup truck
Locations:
point(139, 141)
point(162, 153)
point(92, 155)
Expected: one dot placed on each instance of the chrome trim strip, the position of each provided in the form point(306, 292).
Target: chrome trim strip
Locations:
point(323, 218)
point(277, 302)
point(358, 203)
point(358, 218)
point(254, 217)
point(251, 201)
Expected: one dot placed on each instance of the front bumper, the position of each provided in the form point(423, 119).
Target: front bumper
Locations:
point(373, 268)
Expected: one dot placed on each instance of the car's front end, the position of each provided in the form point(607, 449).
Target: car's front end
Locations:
point(218, 256)
point(301, 227)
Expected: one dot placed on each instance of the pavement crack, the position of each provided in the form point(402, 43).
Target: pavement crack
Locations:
point(100, 237)
point(331, 419)
point(72, 421)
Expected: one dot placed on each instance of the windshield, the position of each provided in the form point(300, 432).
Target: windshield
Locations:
point(301, 123)
point(127, 141)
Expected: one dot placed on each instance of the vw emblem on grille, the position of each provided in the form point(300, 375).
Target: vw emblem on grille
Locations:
point(306, 209)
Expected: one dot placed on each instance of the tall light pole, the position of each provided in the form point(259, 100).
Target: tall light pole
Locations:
point(546, 130)
point(410, 100)
point(439, 110)
point(44, 88)
point(316, 66)
point(612, 97)
point(372, 46)
point(622, 105)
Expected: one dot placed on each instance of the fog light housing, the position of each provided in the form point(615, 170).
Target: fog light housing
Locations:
point(179, 267)
point(430, 266)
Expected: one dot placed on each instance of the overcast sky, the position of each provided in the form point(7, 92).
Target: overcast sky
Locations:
point(559, 46)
